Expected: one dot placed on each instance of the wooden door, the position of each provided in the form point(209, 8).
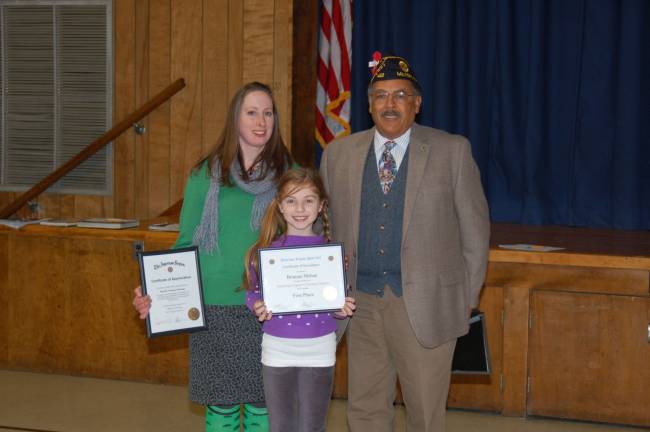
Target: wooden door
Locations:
point(590, 357)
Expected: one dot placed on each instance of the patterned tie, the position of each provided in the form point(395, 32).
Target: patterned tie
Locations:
point(387, 167)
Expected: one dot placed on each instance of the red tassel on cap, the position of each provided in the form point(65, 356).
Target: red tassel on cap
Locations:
point(376, 58)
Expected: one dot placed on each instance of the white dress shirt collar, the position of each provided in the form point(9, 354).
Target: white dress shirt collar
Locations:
point(401, 144)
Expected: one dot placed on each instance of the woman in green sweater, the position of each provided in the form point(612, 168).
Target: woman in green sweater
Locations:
point(225, 197)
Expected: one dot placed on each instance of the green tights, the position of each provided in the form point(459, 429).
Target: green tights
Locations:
point(227, 418)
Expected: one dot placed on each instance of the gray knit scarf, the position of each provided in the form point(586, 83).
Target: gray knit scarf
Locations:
point(206, 234)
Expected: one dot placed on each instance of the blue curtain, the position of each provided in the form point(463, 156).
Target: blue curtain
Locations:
point(554, 96)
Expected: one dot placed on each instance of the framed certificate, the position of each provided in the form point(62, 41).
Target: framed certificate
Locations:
point(173, 280)
point(303, 279)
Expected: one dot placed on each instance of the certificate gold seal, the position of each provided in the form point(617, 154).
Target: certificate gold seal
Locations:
point(193, 314)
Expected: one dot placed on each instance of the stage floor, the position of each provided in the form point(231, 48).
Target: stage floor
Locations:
point(57, 403)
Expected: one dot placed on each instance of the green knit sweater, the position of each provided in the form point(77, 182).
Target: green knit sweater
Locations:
point(222, 271)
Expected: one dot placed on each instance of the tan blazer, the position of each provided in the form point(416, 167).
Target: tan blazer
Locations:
point(445, 232)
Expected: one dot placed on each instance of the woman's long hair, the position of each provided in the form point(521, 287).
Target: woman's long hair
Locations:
point(275, 155)
point(273, 223)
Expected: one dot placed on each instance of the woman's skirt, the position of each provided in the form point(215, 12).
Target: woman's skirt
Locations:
point(225, 367)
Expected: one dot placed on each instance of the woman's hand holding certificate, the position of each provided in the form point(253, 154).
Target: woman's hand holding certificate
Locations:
point(141, 303)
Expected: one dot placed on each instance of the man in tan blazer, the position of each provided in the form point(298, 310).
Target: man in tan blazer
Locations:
point(407, 202)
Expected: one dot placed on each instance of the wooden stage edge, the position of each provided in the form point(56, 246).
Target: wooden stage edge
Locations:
point(568, 330)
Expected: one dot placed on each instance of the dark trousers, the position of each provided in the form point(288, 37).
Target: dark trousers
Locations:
point(297, 397)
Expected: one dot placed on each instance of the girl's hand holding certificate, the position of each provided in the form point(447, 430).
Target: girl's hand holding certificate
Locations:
point(264, 315)
point(260, 311)
point(348, 308)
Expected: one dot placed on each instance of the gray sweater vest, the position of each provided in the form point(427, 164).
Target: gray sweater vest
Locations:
point(380, 230)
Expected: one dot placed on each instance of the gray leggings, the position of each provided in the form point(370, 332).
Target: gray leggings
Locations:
point(297, 397)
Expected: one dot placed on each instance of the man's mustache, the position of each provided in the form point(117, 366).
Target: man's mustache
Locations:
point(390, 113)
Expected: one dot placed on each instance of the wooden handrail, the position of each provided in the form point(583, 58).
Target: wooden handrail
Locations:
point(93, 147)
point(174, 209)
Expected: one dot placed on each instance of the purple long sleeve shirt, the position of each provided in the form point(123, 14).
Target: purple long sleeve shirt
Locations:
point(307, 325)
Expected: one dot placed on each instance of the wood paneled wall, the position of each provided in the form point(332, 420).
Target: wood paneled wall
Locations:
point(216, 46)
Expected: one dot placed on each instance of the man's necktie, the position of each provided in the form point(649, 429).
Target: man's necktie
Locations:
point(387, 167)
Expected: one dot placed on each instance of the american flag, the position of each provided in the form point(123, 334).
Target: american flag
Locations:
point(334, 60)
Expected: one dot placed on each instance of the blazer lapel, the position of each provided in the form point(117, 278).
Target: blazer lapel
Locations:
point(357, 163)
point(417, 161)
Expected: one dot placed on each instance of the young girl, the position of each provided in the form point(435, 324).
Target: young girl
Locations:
point(298, 351)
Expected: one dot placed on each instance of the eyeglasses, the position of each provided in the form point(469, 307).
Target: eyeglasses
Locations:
point(399, 96)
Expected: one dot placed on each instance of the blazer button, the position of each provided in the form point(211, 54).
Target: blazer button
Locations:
point(381, 251)
point(385, 205)
point(382, 227)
